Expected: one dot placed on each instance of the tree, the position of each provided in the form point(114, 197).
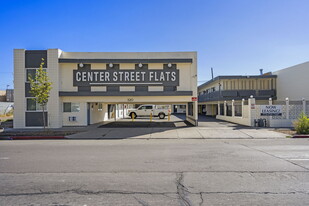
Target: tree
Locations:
point(40, 88)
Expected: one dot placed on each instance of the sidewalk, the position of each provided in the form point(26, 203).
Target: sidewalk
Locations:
point(209, 128)
point(177, 133)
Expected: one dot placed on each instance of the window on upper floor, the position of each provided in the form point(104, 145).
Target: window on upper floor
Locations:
point(32, 105)
point(31, 73)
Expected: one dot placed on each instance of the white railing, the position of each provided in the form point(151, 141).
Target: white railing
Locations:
point(252, 112)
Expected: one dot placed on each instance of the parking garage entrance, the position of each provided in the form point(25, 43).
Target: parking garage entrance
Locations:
point(136, 115)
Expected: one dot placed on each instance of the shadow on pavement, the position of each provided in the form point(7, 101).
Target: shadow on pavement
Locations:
point(177, 120)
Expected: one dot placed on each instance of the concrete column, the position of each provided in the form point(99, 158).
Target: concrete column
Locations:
point(242, 107)
point(252, 109)
point(19, 91)
point(233, 108)
point(304, 105)
point(225, 108)
point(116, 112)
point(219, 110)
point(270, 101)
point(287, 104)
point(53, 105)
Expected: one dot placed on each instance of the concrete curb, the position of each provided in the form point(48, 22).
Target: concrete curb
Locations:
point(31, 137)
point(301, 136)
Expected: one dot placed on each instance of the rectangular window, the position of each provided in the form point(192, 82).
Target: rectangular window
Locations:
point(32, 105)
point(100, 107)
point(71, 107)
point(31, 73)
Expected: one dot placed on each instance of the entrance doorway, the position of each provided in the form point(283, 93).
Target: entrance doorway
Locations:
point(111, 108)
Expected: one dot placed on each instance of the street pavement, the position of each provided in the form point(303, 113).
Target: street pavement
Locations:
point(155, 172)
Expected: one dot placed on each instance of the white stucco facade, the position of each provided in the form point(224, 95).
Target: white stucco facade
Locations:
point(292, 82)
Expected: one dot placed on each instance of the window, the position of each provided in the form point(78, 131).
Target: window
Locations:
point(100, 107)
point(32, 105)
point(31, 73)
point(71, 107)
point(145, 107)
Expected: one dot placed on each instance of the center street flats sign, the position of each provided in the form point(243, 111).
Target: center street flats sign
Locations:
point(271, 110)
point(153, 77)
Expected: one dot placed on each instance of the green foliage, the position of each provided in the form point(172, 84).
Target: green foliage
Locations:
point(40, 87)
point(302, 124)
point(10, 113)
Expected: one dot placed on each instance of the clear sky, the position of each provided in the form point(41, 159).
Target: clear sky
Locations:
point(235, 37)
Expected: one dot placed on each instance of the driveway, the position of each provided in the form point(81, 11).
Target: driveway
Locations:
point(209, 128)
point(204, 121)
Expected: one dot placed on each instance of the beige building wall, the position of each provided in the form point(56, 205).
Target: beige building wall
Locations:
point(293, 82)
point(53, 105)
point(81, 116)
point(65, 77)
point(19, 88)
point(96, 114)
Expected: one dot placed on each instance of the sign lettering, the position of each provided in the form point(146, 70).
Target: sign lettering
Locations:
point(271, 110)
point(125, 77)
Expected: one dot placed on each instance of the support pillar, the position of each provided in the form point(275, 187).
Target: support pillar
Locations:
point(287, 104)
point(225, 108)
point(252, 109)
point(233, 108)
point(242, 107)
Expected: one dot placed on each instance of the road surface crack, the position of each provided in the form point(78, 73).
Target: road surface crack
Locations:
point(182, 190)
point(202, 200)
point(87, 192)
point(143, 203)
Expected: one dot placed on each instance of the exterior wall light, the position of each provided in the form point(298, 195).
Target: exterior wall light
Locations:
point(140, 65)
point(111, 65)
point(169, 65)
point(81, 65)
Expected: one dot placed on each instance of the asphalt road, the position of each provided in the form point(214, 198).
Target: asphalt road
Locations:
point(155, 172)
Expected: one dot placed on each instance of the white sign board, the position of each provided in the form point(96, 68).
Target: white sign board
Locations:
point(271, 110)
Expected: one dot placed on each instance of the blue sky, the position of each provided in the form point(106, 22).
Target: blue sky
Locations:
point(235, 37)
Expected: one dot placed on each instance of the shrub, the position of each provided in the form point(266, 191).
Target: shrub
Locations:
point(302, 124)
